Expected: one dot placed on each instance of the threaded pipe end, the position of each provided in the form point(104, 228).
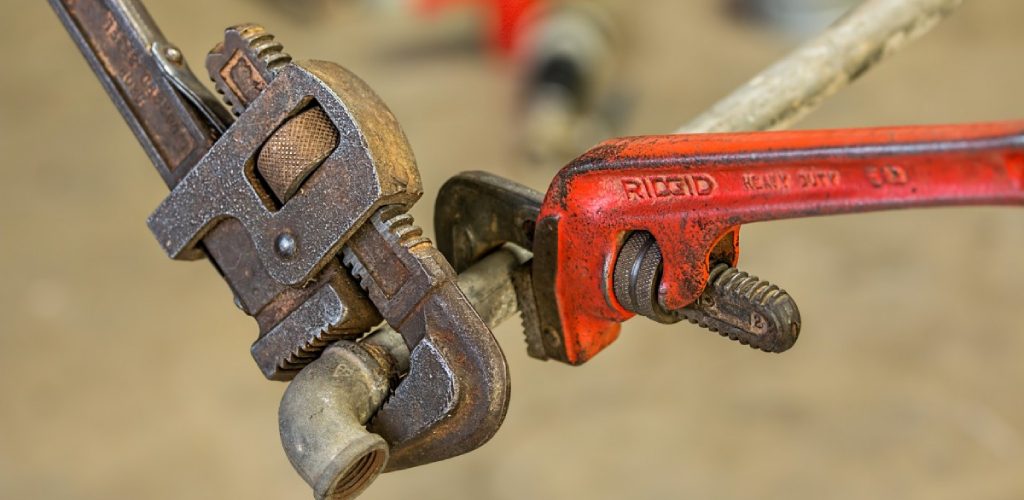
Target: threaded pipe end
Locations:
point(358, 475)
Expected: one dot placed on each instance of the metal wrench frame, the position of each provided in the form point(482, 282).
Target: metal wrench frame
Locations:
point(303, 298)
point(692, 193)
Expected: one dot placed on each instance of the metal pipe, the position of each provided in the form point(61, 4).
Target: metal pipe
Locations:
point(794, 86)
point(489, 287)
point(323, 417)
point(487, 284)
point(326, 408)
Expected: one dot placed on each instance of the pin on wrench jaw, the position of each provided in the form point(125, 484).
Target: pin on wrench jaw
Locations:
point(692, 193)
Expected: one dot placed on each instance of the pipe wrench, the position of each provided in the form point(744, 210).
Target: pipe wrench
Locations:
point(650, 225)
point(300, 201)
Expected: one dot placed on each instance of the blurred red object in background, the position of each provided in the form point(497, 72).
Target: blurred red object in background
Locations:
point(507, 19)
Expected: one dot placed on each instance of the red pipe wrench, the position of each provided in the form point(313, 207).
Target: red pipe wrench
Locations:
point(650, 225)
point(692, 193)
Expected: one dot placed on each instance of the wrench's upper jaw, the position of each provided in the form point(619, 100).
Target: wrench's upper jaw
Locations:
point(377, 128)
point(503, 212)
point(456, 394)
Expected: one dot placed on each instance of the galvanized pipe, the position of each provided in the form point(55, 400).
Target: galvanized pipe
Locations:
point(323, 417)
point(487, 284)
point(325, 410)
point(794, 86)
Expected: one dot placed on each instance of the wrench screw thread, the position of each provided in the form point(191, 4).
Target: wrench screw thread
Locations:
point(735, 304)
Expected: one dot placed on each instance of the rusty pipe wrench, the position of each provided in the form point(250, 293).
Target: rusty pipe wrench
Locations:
point(649, 225)
point(314, 167)
point(177, 121)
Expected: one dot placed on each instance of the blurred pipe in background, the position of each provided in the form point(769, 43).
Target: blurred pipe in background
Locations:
point(794, 86)
point(570, 94)
point(565, 59)
point(795, 17)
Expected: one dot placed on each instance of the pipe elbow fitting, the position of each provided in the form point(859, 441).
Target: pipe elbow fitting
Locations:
point(323, 417)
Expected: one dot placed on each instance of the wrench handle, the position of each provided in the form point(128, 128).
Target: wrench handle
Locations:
point(845, 172)
point(117, 38)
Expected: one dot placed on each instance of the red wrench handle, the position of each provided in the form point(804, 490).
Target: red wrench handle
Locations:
point(692, 192)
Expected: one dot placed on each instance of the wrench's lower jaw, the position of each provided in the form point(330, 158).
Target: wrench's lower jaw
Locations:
point(456, 394)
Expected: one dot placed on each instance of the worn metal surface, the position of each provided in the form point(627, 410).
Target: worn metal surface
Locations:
point(488, 289)
point(432, 415)
point(117, 38)
point(429, 414)
point(298, 324)
point(745, 309)
point(409, 282)
point(692, 193)
point(503, 212)
point(177, 121)
point(371, 167)
point(295, 151)
point(323, 417)
point(792, 87)
point(295, 323)
point(244, 63)
point(332, 308)
point(171, 62)
point(754, 313)
point(734, 304)
point(456, 393)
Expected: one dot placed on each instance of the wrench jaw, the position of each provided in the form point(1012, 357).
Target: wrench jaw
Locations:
point(323, 197)
point(503, 212)
point(691, 191)
point(316, 317)
point(456, 394)
point(363, 173)
point(555, 322)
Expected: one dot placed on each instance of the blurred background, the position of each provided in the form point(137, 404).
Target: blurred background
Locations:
point(126, 375)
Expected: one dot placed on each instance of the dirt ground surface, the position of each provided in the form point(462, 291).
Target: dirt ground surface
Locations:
point(126, 375)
